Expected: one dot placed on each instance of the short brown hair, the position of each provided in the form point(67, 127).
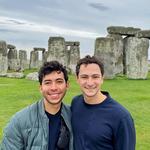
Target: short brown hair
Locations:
point(89, 60)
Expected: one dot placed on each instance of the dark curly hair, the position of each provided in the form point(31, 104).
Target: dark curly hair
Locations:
point(51, 66)
point(89, 60)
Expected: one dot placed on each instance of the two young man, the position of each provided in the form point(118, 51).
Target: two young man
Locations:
point(98, 121)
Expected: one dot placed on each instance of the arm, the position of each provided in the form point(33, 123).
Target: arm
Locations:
point(12, 138)
point(125, 138)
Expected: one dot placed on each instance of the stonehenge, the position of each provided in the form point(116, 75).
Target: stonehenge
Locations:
point(123, 51)
point(67, 52)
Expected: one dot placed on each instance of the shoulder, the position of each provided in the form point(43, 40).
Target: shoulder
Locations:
point(66, 108)
point(118, 110)
point(77, 98)
point(24, 116)
point(26, 111)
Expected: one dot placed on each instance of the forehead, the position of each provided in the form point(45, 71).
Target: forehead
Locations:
point(89, 69)
point(54, 75)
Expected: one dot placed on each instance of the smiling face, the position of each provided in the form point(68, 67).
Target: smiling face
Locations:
point(53, 88)
point(90, 80)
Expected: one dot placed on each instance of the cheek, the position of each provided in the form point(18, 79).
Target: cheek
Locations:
point(63, 88)
point(44, 89)
point(81, 83)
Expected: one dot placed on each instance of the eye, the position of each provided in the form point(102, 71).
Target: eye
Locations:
point(46, 82)
point(60, 81)
point(96, 77)
point(83, 77)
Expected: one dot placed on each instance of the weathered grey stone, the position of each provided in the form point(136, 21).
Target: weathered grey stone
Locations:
point(73, 55)
point(34, 59)
point(9, 46)
point(44, 56)
point(15, 75)
point(122, 30)
point(70, 43)
point(148, 65)
point(57, 50)
point(3, 64)
point(143, 34)
point(3, 74)
point(110, 51)
point(136, 57)
point(118, 52)
point(13, 61)
point(32, 76)
point(23, 59)
point(3, 57)
point(3, 48)
point(39, 49)
point(104, 52)
point(12, 54)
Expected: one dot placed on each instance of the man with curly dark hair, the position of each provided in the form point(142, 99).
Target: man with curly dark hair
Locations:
point(44, 125)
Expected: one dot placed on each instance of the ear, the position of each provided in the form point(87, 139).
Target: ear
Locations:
point(77, 79)
point(40, 88)
point(102, 79)
point(67, 85)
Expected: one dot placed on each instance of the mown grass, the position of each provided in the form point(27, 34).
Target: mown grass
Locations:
point(133, 94)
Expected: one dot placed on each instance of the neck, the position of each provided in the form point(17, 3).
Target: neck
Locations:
point(97, 99)
point(51, 108)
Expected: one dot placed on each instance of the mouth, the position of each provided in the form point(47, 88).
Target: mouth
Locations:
point(90, 88)
point(54, 95)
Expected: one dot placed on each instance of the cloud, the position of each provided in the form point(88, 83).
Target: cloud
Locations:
point(13, 24)
point(98, 6)
point(7, 31)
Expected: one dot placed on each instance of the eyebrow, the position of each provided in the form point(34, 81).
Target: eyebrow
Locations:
point(55, 79)
point(90, 75)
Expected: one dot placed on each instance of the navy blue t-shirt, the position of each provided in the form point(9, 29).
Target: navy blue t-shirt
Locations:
point(104, 126)
point(54, 129)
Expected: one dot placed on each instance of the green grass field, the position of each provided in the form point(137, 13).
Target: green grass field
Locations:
point(133, 94)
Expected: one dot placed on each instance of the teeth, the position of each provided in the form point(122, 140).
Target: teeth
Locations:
point(54, 94)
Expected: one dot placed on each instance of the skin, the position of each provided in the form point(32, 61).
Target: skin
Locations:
point(53, 89)
point(90, 81)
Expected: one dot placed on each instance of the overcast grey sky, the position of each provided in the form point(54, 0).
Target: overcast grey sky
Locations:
point(29, 23)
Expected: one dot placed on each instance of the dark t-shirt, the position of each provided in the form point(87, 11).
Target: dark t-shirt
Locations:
point(54, 129)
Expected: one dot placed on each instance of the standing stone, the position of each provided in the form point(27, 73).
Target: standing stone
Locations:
point(57, 50)
point(118, 52)
point(109, 50)
point(43, 50)
point(73, 55)
point(136, 57)
point(3, 57)
point(23, 59)
point(34, 59)
point(44, 56)
point(13, 61)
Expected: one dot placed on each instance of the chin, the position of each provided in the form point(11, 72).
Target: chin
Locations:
point(90, 95)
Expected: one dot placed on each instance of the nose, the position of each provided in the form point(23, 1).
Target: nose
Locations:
point(90, 81)
point(53, 86)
